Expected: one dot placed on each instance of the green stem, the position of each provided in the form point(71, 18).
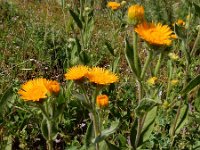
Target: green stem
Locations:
point(95, 115)
point(194, 49)
point(140, 119)
point(43, 111)
point(146, 64)
point(85, 93)
point(50, 141)
point(96, 127)
point(49, 126)
point(169, 79)
point(135, 53)
point(158, 64)
point(175, 123)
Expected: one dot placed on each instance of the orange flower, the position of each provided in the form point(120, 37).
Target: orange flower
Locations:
point(101, 76)
point(102, 101)
point(38, 89)
point(113, 5)
point(155, 34)
point(52, 86)
point(33, 90)
point(76, 72)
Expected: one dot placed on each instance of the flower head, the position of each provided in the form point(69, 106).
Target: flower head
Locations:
point(33, 90)
point(38, 89)
point(102, 101)
point(52, 86)
point(101, 76)
point(76, 72)
point(135, 14)
point(152, 80)
point(155, 34)
point(113, 5)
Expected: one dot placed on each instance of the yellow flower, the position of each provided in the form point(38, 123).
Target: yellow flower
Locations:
point(155, 34)
point(135, 14)
point(52, 86)
point(101, 76)
point(174, 82)
point(113, 5)
point(152, 80)
point(76, 72)
point(173, 56)
point(33, 90)
point(102, 101)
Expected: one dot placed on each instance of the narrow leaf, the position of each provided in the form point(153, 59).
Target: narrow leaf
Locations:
point(105, 133)
point(44, 129)
point(145, 106)
point(182, 120)
point(5, 97)
point(129, 56)
point(148, 125)
point(191, 85)
point(88, 135)
point(133, 132)
point(112, 146)
point(76, 19)
point(109, 47)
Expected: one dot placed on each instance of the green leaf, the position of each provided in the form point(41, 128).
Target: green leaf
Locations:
point(76, 19)
point(182, 120)
point(83, 101)
point(180, 31)
point(85, 59)
point(88, 135)
point(148, 125)
point(145, 106)
point(129, 55)
point(109, 47)
point(111, 146)
point(9, 143)
point(115, 64)
point(105, 133)
point(78, 45)
point(44, 129)
point(191, 85)
point(134, 132)
point(197, 101)
point(197, 8)
point(5, 97)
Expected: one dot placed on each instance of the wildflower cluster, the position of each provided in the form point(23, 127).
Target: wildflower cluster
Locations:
point(95, 75)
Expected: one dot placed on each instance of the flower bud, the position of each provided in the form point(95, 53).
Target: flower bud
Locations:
point(102, 101)
point(135, 14)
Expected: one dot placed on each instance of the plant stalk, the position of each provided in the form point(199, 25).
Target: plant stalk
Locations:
point(146, 64)
point(158, 64)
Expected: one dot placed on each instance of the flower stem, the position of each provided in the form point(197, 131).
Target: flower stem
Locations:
point(175, 122)
point(95, 116)
point(146, 64)
point(50, 141)
point(158, 64)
